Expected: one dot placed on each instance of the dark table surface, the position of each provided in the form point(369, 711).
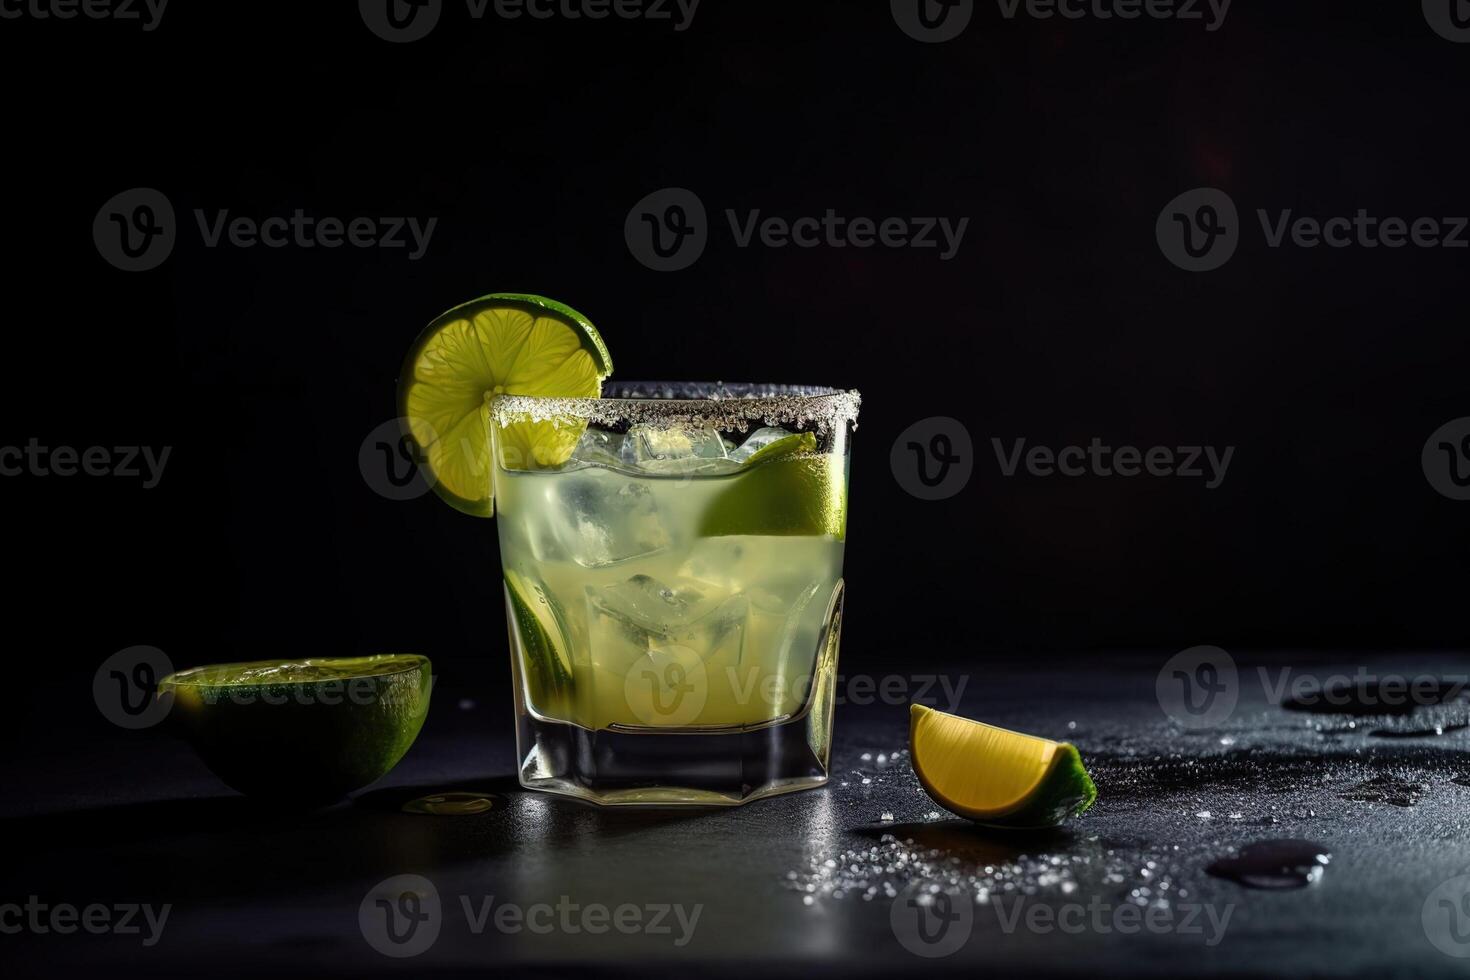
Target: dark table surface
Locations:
point(801, 884)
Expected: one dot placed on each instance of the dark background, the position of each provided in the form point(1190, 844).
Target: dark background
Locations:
point(1059, 319)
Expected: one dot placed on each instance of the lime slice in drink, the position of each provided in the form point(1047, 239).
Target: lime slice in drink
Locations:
point(798, 442)
point(994, 776)
point(537, 622)
point(302, 731)
point(505, 343)
point(783, 489)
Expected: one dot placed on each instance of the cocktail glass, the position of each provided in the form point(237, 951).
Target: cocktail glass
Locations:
point(674, 589)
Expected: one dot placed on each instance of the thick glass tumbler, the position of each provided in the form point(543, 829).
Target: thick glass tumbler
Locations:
point(672, 556)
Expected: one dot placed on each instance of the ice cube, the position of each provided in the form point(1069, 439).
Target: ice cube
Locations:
point(690, 466)
point(714, 562)
point(645, 600)
point(599, 447)
point(659, 445)
point(599, 518)
point(756, 441)
point(629, 620)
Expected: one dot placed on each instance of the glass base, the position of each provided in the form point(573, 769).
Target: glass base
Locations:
point(724, 766)
point(622, 768)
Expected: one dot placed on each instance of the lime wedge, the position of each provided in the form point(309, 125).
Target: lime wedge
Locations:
point(302, 731)
point(784, 489)
point(995, 776)
point(504, 343)
point(799, 442)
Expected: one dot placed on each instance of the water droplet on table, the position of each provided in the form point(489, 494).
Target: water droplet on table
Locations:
point(1275, 864)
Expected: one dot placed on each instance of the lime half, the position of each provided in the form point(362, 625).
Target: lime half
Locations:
point(995, 776)
point(302, 731)
point(504, 343)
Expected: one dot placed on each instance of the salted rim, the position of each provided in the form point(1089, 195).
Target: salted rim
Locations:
point(730, 407)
